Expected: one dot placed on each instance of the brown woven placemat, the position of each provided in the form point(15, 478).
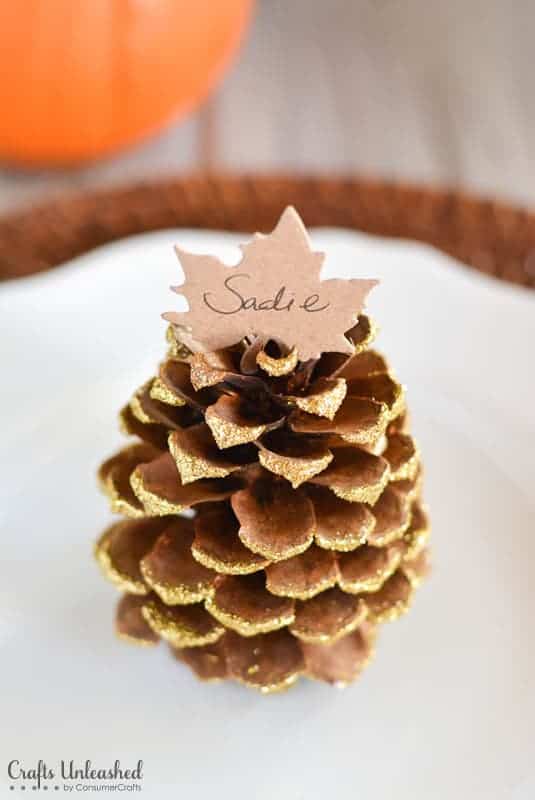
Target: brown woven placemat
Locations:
point(495, 238)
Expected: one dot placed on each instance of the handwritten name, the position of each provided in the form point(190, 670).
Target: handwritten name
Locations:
point(282, 300)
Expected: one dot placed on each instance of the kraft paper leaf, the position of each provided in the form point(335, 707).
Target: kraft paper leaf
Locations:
point(274, 292)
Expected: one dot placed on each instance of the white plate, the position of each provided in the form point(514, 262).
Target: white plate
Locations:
point(446, 709)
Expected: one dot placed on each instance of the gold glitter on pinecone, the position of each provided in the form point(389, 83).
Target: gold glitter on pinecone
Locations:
point(308, 529)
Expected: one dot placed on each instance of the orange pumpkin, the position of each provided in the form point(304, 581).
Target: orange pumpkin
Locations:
point(82, 78)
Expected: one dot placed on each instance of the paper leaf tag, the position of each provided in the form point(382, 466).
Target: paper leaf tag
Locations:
point(274, 291)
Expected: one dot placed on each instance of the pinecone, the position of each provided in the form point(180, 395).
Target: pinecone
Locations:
point(273, 515)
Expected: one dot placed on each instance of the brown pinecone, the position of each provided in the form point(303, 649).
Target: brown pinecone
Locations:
point(307, 529)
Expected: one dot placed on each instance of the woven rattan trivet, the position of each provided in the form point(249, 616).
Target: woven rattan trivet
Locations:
point(495, 238)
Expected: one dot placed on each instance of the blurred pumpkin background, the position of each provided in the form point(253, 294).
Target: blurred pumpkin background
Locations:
point(99, 93)
point(84, 79)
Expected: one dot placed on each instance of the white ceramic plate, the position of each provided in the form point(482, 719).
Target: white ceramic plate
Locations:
point(446, 710)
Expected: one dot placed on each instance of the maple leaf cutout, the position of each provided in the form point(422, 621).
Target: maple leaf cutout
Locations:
point(274, 291)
